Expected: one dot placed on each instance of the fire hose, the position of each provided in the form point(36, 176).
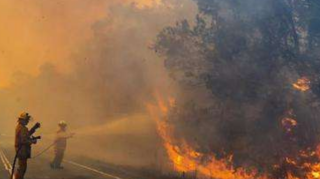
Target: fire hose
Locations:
point(49, 147)
point(16, 157)
point(31, 132)
point(36, 156)
point(14, 162)
point(45, 150)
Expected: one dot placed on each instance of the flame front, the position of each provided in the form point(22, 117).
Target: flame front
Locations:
point(185, 159)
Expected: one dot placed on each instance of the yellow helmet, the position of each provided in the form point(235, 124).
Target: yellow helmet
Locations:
point(62, 124)
point(24, 116)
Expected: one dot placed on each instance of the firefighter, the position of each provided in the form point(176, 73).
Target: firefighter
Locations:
point(23, 142)
point(60, 145)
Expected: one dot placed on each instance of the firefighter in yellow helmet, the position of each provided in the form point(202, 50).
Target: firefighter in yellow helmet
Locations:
point(23, 142)
point(60, 145)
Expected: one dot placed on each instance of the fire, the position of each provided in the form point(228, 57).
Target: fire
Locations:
point(289, 124)
point(185, 159)
point(315, 174)
point(302, 84)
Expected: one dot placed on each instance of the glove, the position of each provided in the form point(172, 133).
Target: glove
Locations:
point(37, 125)
point(34, 141)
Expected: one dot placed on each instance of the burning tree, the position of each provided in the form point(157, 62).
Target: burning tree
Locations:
point(259, 59)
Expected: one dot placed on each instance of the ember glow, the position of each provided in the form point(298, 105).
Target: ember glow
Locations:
point(185, 159)
point(302, 84)
point(289, 124)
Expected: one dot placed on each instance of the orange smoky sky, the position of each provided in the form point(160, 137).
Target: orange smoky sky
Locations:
point(33, 32)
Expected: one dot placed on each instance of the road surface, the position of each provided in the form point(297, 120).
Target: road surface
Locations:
point(80, 168)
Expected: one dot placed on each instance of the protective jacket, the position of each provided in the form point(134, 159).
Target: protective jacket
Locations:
point(61, 140)
point(23, 142)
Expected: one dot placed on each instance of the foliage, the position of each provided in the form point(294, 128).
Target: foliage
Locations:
point(248, 53)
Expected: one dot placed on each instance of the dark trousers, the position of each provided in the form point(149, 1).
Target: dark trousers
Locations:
point(58, 158)
point(22, 168)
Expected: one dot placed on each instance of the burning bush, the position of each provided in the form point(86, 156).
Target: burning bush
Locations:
point(254, 65)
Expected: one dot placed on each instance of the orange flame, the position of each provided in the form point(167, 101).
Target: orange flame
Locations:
point(302, 84)
point(185, 159)
point(289, 124)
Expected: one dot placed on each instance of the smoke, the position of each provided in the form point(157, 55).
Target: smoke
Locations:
point(38, 31)
point(245, 91)
point(88, 63)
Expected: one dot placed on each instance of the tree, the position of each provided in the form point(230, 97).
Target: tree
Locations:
point(249, 54)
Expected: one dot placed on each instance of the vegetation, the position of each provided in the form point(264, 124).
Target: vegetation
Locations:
point(248, 54)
